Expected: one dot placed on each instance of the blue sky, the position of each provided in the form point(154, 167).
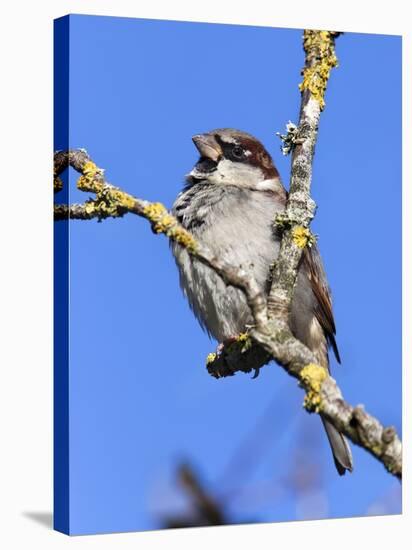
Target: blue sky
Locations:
point(140, 397)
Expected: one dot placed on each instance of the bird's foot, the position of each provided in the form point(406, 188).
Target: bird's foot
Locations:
point(256, 373)
point(226, 343)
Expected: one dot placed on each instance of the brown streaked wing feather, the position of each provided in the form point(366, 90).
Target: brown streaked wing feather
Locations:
point(323, 312)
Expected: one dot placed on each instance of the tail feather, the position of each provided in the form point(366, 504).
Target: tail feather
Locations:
point(342, 454)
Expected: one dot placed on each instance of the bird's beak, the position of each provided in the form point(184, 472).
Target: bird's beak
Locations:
point(207, 146)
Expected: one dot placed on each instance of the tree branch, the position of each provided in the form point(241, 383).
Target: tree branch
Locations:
point(111, 201)
point(270, 337)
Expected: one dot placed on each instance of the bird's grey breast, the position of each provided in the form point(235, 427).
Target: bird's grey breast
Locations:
point(236, 224)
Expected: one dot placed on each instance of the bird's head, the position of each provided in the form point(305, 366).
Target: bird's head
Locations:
point(233, 157)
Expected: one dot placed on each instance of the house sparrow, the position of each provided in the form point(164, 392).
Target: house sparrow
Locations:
point(229, 202)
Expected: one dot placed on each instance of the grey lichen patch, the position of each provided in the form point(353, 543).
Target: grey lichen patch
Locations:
point(301, 168)
point(388, 435)
point(301, 208)
point(290, 139)
point(283, 335)
point(282, 221)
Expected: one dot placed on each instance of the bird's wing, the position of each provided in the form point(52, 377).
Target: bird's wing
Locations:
point(321, 290)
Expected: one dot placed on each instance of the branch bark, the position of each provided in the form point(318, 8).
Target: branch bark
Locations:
point(270, 337)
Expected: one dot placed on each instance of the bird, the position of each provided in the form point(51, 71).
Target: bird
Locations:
point(229, 202)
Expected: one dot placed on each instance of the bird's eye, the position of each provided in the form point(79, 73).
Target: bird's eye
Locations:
point(237, 151)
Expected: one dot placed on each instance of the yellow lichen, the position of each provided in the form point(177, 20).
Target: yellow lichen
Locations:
point(90, 207)
point(240, 343)
point(301, 236)
point(89, 168)
point(183, 237)
point(163, 222)
point(211, 358)
point(245, 341)
point(154, 211)
point(319, 46)
point(86, 181)
point(123, 199)
point(312, 377)
point(82, 183)
point(377, 449)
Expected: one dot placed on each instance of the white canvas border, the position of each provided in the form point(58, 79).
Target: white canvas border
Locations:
point(26, 274)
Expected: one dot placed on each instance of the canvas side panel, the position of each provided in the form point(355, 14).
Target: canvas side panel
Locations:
point(61, 286)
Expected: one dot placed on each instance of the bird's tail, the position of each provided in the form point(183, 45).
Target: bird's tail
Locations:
point(342, 454)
